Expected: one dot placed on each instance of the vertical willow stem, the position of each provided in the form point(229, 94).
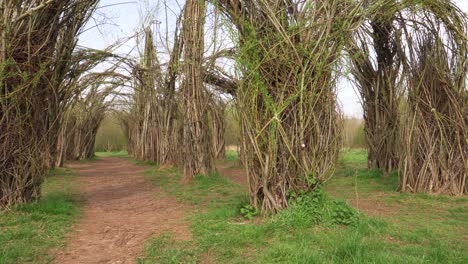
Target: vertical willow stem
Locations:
point(198, 153)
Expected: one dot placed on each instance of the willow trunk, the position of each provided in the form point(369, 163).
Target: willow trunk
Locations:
point(197, 148)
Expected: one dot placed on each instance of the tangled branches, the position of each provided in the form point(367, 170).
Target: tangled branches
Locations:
point(289, 54)
point(376, 52)
point(419, 48)
point(435, 136)
point(36, 46)
point(153, 124)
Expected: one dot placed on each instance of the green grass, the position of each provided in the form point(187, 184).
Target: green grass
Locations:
point(28, 232)
point(165, 250)
point(231, 160)
point(231, 156)
point(442, 216)
point(123, 154)
point(117, 154)
point(417, 229)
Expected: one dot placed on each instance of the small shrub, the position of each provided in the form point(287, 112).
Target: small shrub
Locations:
point(343, 214)
point(307, 209)
point(248, 211)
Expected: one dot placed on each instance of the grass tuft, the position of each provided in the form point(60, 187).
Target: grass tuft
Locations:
point(165, 250)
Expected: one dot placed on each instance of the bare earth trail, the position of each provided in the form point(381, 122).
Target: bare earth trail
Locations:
point(122, 211)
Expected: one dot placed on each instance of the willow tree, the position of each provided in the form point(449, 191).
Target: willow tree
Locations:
point(36, 37)
point(435, 136)
point(171, 110)
point(145, 120)
point(82, 120)
point(289, 58)
point(376, 65)
point(197, 148)
point(154, 122)
point(82, 125)
point(79, 77)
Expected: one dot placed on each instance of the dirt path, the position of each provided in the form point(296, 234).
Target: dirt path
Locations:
point(122, 210)
point(234, 173)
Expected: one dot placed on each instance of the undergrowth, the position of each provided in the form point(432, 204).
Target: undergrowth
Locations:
point(307, 209)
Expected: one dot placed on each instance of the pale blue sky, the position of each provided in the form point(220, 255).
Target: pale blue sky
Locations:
point(122, 18)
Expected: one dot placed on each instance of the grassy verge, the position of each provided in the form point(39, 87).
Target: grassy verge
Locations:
point(28, 232)
point(231, 157)
point(318, 228)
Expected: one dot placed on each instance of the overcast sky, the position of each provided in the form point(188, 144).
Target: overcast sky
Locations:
point(119, 19)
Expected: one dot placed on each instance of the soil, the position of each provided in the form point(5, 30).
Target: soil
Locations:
point(374, 206)
point(233, 172)
point(122, 211)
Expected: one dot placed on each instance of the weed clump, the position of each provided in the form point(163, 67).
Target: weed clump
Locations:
point(248, 211)
point(343, 214)
point(308, 209)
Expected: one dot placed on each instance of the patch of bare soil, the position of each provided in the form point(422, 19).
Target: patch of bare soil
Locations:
point(373, 206)
point(234, 173)
point(122, 211)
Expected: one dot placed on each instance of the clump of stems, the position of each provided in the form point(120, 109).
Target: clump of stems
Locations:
point(289, 54)
point(198, 157)
point(435, 135)
point(376, 66)
point(37, 40)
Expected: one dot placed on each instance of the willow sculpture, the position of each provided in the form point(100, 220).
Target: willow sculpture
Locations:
point(198, 155)
point(37, 39)
point(154, 124)
point(289, 54)
point(218, 121)
point(435, 137)
point(376, 66)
